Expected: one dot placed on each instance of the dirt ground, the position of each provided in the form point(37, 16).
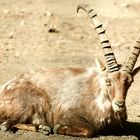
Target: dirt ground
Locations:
point(26, 42)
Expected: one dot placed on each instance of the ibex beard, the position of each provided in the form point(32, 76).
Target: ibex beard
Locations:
point(70, 101)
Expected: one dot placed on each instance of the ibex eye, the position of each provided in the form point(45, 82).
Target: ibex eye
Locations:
point(108, 83)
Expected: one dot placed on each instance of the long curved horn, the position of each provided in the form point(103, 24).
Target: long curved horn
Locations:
point(130, 63)
point(108, 53)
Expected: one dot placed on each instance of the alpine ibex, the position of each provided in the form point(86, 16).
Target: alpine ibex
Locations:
point(71, 101)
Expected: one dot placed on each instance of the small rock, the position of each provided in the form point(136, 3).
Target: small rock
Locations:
point(11, 35)
point(6, 11)
point(48, 14)
point(53, 29)
point(125, 5)
point(7, 49)
point(22, 23)
point(17, 54)
point(45, 24)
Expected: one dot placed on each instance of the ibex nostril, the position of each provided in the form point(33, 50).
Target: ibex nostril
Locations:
point(119, 103)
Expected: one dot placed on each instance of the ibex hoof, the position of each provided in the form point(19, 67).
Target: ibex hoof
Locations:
point(5, 126)
point(44, 129)
point(55, 129)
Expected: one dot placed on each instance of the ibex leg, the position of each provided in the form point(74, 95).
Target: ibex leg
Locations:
point(73, 131)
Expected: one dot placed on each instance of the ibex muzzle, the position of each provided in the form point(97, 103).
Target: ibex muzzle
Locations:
point(71, 101)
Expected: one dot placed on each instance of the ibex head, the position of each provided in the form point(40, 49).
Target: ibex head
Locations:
point(118, 84)
point(117, 79)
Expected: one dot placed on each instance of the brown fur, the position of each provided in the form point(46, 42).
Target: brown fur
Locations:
point(65, 96)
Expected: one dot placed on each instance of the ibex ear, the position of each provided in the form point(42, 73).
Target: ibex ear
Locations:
point(135, 71)
point(99, 65)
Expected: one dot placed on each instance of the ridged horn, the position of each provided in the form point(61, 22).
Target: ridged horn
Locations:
point(108, 53)
point(130, 63)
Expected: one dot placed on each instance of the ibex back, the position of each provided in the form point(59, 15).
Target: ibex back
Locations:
point(71, 101)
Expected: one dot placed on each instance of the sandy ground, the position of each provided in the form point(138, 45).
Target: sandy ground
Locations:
point(26, 43)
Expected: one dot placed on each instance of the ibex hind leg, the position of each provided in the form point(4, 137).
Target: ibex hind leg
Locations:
point(28, 120)
point(42, 128)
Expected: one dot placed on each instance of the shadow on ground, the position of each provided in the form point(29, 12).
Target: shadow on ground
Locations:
point(131, 128)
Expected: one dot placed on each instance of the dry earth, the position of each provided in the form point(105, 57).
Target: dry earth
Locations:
point(26, 43)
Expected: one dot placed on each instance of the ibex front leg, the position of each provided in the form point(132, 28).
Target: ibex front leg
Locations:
point(74, 127)
point(73, 131)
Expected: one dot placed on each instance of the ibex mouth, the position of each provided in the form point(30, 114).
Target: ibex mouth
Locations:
point(120, 104)
point(118, 107)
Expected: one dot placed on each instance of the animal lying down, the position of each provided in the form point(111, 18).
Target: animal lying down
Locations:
point(71, 101)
